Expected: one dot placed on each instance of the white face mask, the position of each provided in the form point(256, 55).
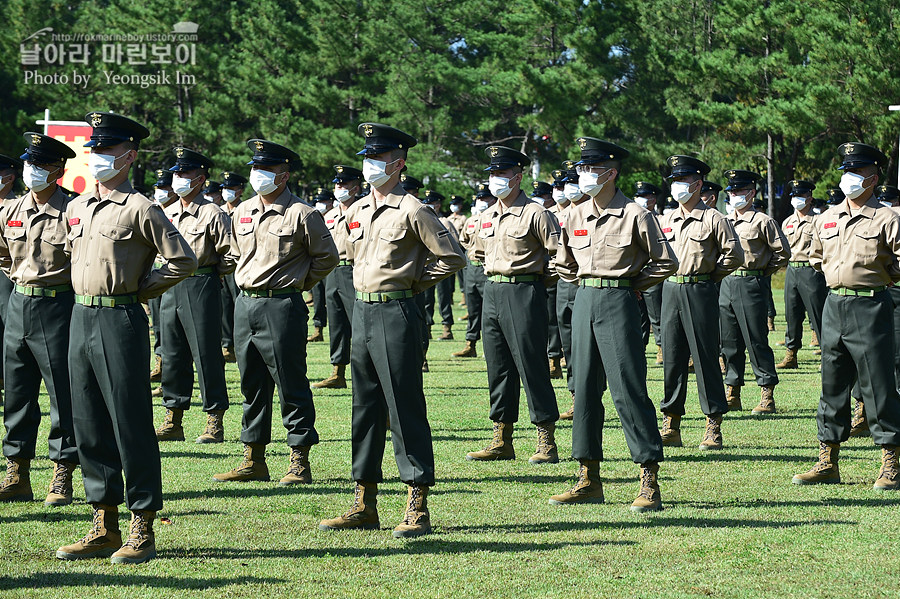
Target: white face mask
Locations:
point(182, 186)
point(161, 195)
point(729, 209)
point(480, 206)
point(4, 181)
point(852, 185)
point(681, 191)
point(454, 208)
point(799, 203)
point(263, 182)
point(667, 211)
point(738, 202)
point(229, 195)
point(35, 178)
point(322, 207)
point(642, 201)
point(341, 194)
point(499, 186)
point(102, 166)
point(572, 191)
point(559, 196)
point(589, 183)
point(375, 171)
point(817, 210)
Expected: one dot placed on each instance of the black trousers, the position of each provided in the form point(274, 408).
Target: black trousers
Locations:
point(386, 366)
point(109, 374)
point(804, 294)
point(565, 304)
point(651, 313)
point(474, 290)
point(154, 324)
point(191, 323)
point(607, 346)
point(858, 344)
point(770, 301)
point(270, 344)
point(320, 310)
point(554, 340)
point(340, 297)
point(742, 315)
point(690, 327)
point(6, 289)
point(36, 346)
point(512, 314)
point(230, 292)
point(444, 292)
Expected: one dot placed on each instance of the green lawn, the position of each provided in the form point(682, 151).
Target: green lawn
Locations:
point(734, 525)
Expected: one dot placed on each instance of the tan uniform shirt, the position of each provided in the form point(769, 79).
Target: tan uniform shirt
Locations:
point(459, 221)
point(765, 246)
point(34, 249)
point(799, 232)
point(620, 241)
point(469, 240)
point(282, 245)
point(115, 240)
point(448, 224)
point(335, 220)
point(704, 241)
point(857, 251)
point(519, 240)
point(399, 245)
point(207, 229)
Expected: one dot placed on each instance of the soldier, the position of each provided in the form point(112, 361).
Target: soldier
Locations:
point(555, 352)
point(34, 252)
point(339, 294)
point(707, 251)
point(458, 218)
point(475, 277)
point(646, 195)
point(232, 192)
point(322, 201)
point(282, 248)
point(212, 192)
point(611, 247)
point(520, 239)
point(855, 245)
point(164, 196)
point(804, 286)
point(443, 291)
point(709, 194)
point(9, 174)
point(115, 236)
point(399, 248)
point(191, 312)
point(742, 296)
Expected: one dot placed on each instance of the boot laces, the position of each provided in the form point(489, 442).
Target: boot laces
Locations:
point(61, 480)
point(212, 424)
point(647, 489)
point(858, 413)
point(297, 465)
point(96, 525)
point(248, 461)
point(583, 481)
point(543, 440)
point(357, 502)
point(169, 418)
point(413, 506)
point(889, 464)
point(138, 533)
point(497, 440)
point(11, 471)
point(712, 430)
point(824, 463)
point(667, 424)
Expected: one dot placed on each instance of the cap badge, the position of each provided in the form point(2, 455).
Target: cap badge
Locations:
point(569, 164)
point(226, 175)
point(340, 169)
point(848, 149)
point(160, 173)
point(367, 129)
point(675, 161)
point(179, 152)
point(582, 142)
point(259, 145)
point(96, 119)
point(36, 140)
point(494, 151)
point(535, 184)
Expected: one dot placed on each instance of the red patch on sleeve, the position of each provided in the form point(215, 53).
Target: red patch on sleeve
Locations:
point(487, 225)
point(667, 230)
point(246, 219)
point(74, 221)
point(353, 225)
point(829, 225)
point(13, 223)
point(580, 232)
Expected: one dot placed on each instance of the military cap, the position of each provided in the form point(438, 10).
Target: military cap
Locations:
point(323, 195)
point(710, 186)
point(410, 183)
point(570, 175)
point(681, 166)
point(855, 154)
point(188, 160)
point(595, 150)
point(671, 204)
point(381, 138)
point(8, 162)
point(269, 153)
point(364, 188)
point(343, 173)
point(43, 149)
point(887, 193)
point(482, 191)
point(503, 158)
point(432, 197)
point(230, 179)
point(642, 188)
point(541, 188)
point(559, 177)
point(163, 178)
point(111, 129)
point(738, 179)
point(759, 203)
point(835, 196)
point(455, 199)
point(212, 187)
point(799, 187)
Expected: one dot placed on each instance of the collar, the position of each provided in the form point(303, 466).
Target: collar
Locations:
point(615, 207)
point(868, 209)
point(696, 213)
point(747, 216)
point(516, 208)
point(279, 205)
point(117, 195)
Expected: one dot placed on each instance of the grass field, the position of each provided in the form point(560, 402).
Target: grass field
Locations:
point(734, 525)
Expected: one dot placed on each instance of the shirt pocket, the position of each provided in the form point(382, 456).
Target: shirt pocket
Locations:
point(580, 246)
point(114, 242)
point(53, 245)
point(280, 240)
point(389, 249)
point(865, 245)
point(15, 241)
point(515, 242)
point(700, 241)
point(616, 254)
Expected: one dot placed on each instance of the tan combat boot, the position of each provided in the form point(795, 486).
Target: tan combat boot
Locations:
point(790, 360)
point(733, 397)
point(102, 540)
point(588, 488)
point(416, 520)
point(337, 379)
point(363, 514)
point(546, 452)
point(649, 498)
point(722, 366)
point(766, 401)
point(570, 413)
point(888, 477)
point(464, 316)
point(140, 546)
point(317, 336)
point(156, 373)
point(215, 428)
point(16, 486)
point(229, 355)
point(826, 469)
point(859, 424)
point(299, 472)
point(252, 468)
point(659, 354)
point(425, 366)
point(157, 392)
point(500, 447)
point(770, 321)
point(815, 340)
point(60, 492)
point(171, 429)
point(447, 335)
point(466, 352)
point(671, 431)
point(555, 368)
point(691, 364)
point(712, 438)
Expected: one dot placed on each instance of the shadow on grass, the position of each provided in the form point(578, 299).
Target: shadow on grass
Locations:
point(726, 456)
point(231, 491)
point(810, 503)
point(74, 579)
point(534, 479)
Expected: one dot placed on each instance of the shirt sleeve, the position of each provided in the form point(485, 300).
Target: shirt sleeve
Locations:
point(323, 253)
point(546, 226)
point(662, 262)
point(731, 254)
point(565, 265)
point(781, 249)
point(448, 256)
point(179, 260)
point(221, 227)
